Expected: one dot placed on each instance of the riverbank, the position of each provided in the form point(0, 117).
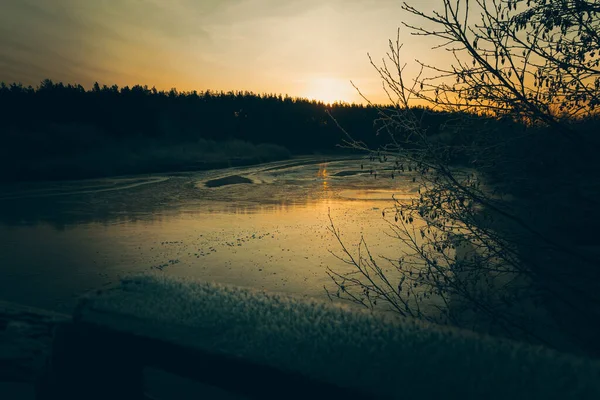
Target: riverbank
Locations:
point(131, 157)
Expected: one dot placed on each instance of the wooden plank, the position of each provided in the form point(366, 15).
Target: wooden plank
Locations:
point(25, 341)
point(91, 356)
point(269, 346)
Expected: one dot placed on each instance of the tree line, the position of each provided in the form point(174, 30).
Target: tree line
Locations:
point(301, 125)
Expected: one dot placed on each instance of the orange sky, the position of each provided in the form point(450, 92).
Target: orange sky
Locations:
point(307, 48)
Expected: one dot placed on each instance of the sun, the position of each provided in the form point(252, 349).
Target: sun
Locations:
point(329, 90)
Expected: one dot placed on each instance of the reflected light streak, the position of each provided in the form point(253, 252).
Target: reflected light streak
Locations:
point(323, 174)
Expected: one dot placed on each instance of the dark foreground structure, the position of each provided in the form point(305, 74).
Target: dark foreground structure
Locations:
point(256, 345)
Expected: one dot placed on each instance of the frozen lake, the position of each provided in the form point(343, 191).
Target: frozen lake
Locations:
point(267, 230)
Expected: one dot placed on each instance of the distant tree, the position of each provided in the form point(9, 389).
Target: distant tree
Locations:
point(136, 113)
point(495, 238)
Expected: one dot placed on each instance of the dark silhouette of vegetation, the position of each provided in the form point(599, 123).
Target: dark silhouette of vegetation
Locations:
point(65, 131)
point(502, 234)
point(57, 130)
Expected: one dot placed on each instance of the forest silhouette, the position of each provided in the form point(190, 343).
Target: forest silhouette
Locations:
point(63, 131)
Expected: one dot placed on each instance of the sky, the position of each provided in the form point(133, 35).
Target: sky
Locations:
point(303, 48)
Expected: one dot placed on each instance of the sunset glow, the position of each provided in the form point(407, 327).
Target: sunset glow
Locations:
point(303, 48)
point(330, 90)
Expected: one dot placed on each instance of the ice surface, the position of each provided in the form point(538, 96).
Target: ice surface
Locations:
point(271, 234)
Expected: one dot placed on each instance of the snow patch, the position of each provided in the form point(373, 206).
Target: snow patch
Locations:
point(401, 358)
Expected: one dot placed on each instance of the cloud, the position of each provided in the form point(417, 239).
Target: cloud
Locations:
point(259, 45)
point(164, 19)
point(42, 37)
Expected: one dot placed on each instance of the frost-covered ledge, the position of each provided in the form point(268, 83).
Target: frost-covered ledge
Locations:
point(269, 346)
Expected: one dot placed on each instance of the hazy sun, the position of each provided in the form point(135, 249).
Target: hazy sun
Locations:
point(329, 90)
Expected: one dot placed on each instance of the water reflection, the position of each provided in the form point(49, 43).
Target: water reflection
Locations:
point(323, 175)
point(112, 201)
point(282, 208)
point(271, 234)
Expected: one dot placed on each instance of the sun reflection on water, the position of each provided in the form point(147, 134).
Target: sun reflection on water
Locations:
point(322, 173)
